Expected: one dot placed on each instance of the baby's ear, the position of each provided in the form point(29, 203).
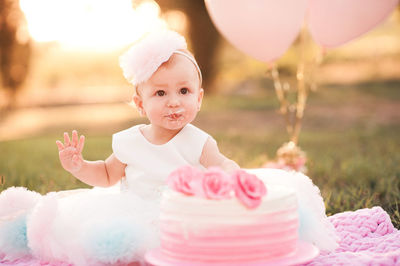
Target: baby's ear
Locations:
point(139, 104)
point(200, 98)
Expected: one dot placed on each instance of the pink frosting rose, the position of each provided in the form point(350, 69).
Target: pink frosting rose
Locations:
point(217, 184)
point(186, 179)
point(249, 189)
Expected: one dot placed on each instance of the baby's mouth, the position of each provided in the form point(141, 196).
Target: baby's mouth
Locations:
point(176, 115)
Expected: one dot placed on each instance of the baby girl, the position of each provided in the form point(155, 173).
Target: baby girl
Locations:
point(168, 84)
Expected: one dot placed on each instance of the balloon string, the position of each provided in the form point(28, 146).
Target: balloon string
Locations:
point(284, 104)
point(294, 116)
point(301, 90)
point(301, 103)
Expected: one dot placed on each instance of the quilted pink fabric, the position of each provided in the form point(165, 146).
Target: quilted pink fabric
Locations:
point(367, 237)
point(30, 262)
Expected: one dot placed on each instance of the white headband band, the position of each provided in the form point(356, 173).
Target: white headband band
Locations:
point(193, 61)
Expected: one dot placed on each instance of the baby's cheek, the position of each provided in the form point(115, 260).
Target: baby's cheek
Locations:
point(192, 112)
point(157, 113)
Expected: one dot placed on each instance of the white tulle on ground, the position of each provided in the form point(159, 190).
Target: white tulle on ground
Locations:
point(314, 225)
point(81, 227)
point(93, 227)
point(15, 205)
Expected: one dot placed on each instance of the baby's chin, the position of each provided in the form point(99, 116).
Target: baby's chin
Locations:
point(176, 124)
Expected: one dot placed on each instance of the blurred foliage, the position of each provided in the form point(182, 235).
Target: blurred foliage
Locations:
point(15, 47)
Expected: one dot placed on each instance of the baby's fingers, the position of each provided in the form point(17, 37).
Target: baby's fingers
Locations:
point(60, 145)
point(74, 138)
point(81, 143)
point(66, 139)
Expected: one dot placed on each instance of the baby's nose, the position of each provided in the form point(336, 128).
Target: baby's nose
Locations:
point(173, 101)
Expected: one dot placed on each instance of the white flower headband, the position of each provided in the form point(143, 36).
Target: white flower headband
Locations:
point(146, 56)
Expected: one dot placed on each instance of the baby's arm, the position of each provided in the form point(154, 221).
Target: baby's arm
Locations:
point(95, 173)
point(211, 156)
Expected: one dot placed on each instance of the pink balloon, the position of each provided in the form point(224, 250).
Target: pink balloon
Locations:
point(335, 22)
point(263, 29)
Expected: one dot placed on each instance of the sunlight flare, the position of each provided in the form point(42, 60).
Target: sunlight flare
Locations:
point(91, 24)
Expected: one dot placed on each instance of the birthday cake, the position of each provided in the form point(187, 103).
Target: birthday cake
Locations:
point(231, 220)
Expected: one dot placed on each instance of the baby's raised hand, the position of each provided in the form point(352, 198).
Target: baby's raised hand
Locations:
point(70, 152)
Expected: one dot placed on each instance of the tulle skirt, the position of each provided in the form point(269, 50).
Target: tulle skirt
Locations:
point(80, 227)
point(110, 227)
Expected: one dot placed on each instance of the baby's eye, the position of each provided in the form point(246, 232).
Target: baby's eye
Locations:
point(184, 90)
point(160, 93)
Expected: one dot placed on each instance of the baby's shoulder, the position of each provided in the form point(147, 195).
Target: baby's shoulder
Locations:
point(191, 140)
point(192, 132)
point(128, 133)
point(126, 141)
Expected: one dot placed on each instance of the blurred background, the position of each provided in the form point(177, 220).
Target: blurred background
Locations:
point(59, 71)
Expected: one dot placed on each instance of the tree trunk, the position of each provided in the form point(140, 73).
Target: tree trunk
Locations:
point(15, 52)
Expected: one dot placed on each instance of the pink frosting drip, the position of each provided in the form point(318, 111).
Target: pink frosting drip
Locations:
point(228, 254)
point(267, 239)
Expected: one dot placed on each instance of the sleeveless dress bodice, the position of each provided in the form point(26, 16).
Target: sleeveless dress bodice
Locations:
point(148, 165)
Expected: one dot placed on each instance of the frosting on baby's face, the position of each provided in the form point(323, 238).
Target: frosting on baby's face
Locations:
point(172, 96)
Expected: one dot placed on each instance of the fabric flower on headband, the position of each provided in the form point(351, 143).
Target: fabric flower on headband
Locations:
point(147, 55)
point(216, 184)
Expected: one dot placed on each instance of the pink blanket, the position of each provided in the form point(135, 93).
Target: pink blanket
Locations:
point(367, 237)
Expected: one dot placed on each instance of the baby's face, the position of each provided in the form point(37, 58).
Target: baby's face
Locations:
point(172, 96)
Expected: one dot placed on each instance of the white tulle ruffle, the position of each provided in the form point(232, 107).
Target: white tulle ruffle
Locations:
point(314, 225)
point(92, 227)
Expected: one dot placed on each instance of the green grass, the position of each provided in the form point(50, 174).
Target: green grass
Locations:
point(355, 164)
point(33, 163)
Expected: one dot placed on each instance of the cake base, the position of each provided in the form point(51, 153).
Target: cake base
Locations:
point(305, 252)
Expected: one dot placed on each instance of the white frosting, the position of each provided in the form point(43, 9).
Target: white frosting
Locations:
point(193, 210)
